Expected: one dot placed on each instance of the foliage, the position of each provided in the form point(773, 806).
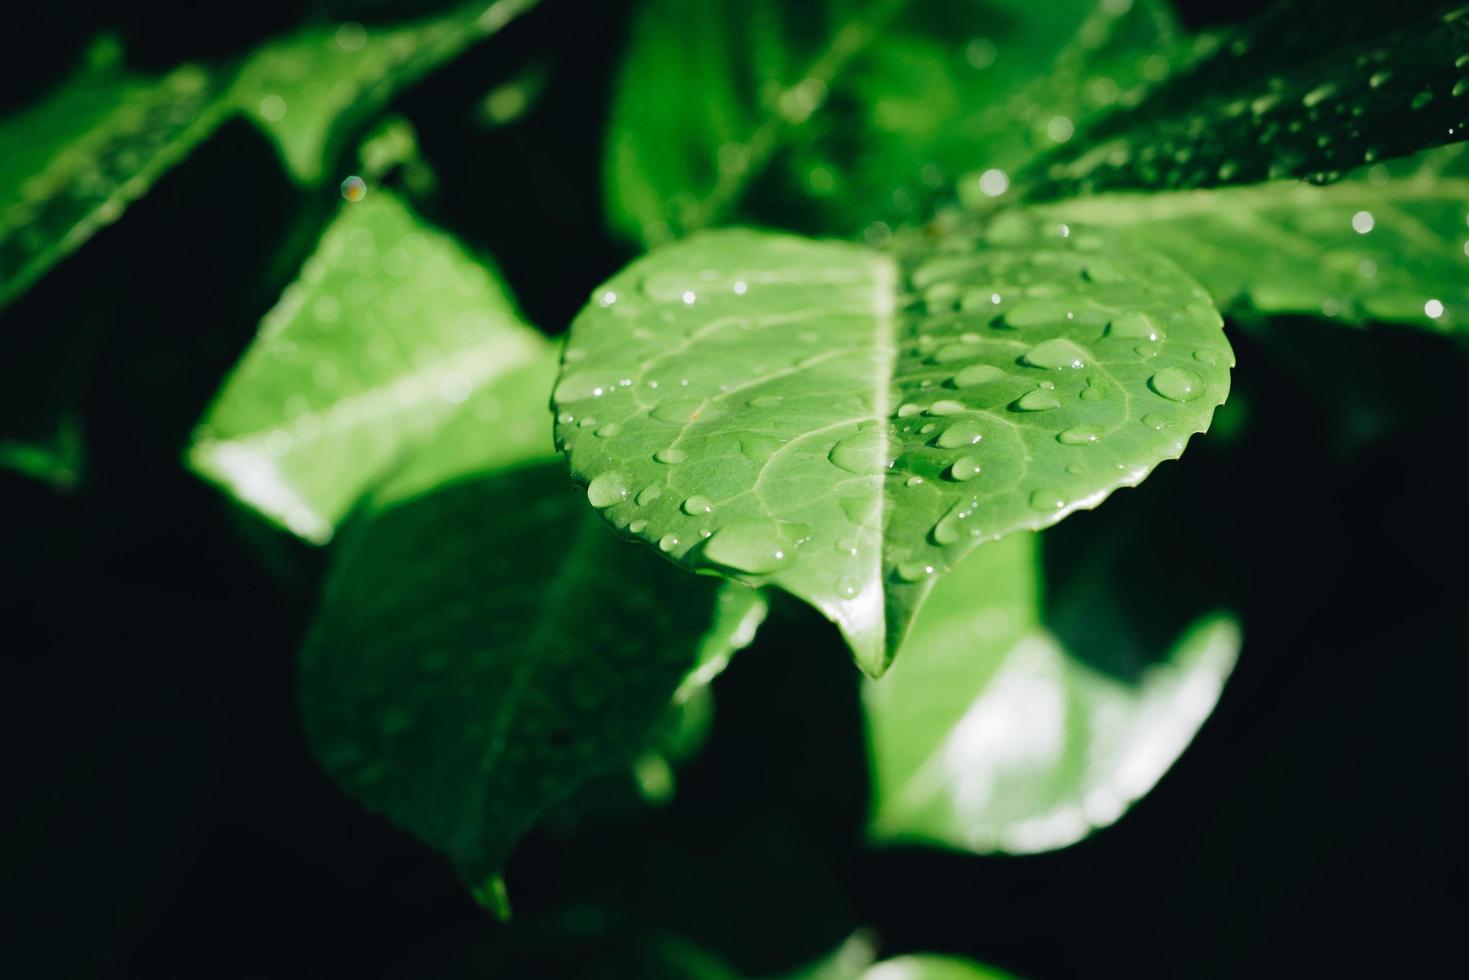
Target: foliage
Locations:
point(998, 242)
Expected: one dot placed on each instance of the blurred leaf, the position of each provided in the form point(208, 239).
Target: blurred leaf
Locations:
point(865, 108)
point(990, 736)
point(466, 670)
point(1290, 97)
point(57, 461)
point(73, 162)
point(311, 90)
point(389, 330)
point(854, 960)
point(777, 410)
point(1385, 244)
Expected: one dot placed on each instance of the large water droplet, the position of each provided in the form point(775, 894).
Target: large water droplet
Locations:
point(670, 455)
point(676, 411)
point(1055, 354)
point(696, 505)
point(1177, 384)
point(1037, 400)
point(649, 494)
point(976, 374)
point(1155, 422)
point(965, 468)
point(949, 529)
point(863, 453)
point(754, 546)
point(608, 488)
point(1047, 500)
point(758, 448)
point(1038, 314)
point(914, 571)
point(1134, 325)
point(1094, 391)
point(947, 406)
point(1078, 435)
point(668, 542)
point(965, 432)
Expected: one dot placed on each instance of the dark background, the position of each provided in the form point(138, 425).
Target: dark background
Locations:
point(162, 816)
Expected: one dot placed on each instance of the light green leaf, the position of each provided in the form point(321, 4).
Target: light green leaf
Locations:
point(854, 960)
point(73, 162)
point(853, 112)
point(846, 423)
point(389, 330)
point(1288, 97)
point(467, 670)
point(990, 736)
point(1389, 243)
point(312, 89)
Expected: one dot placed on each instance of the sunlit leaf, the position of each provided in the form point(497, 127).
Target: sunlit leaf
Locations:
point(389, 330)
point(1290, 97)
point(1389, 243)
point(313, 89)
point(857, 111)
point(846, 423)
point(73, 162)
point(989, 735)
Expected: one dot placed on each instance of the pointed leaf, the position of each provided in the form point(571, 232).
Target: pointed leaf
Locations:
point(73, 162)
point(1389, 243)
point(389, 330)
point(1287, 98)
point(843, 423)
point(989, 736)
point(311, 89)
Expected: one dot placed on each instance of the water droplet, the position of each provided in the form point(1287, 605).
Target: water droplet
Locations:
point(1134, 325)
point(1055, 354)
point(914, 571)
point(1078, 436)
point(913, 481)
point(993, 182)
point(1155, 422)
point(764, 401)
point(608, 431)
point(1433, 309)
point(670, 455)
point(676, 411)
point(966, 468)
point(948, 529)
point(1318, 95)
point(847, 588)
point(753, 546)
point(1094, 391)
point(908, 409)
point(696, 505)
point(1038, 314)
point(863, 453)
point(1100, 270)
point(947, 406)
point(1037, 400)
point(1075, 469)
point(1363, 222)
point(1206, 356)
point(1177, 384)
point(638, 526)
point(758, 448)
point(607, 489)
point(668, 542)
point(962, 433)
point(354, 188)
point(976, 374)
point(648, 494)
point(1047, 500)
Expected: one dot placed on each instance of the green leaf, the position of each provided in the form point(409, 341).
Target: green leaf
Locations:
point(1288, 98)
point(844, 423)
point(389, 330)
point(853, 111)
point(57, 461)
point(466, 670)
point(312, 90)
point(854, 960)
point(990, 736)
point(73, 162)
point(1389, 243)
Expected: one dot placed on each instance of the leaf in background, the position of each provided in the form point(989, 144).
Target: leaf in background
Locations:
point(57, 461)
point(312, 89)
point(389, 330)
point(72, 163)
point(466, 670)
point(854, 960)
point(845, 423)
point(990, 736)
point(1292, 97)
point(862, 109)
point(1389, 243)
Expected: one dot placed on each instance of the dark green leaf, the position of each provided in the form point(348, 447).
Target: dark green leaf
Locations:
point(990, 736)
point(845, 423)
point(1292, 97)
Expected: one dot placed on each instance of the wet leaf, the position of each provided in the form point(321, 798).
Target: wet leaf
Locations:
point(1284, 99)
point(846, 423)
point(312, 90)
point(853, 113)
point(990, 736)
point(1388, 243)
point(73, 162)
point(390, 329)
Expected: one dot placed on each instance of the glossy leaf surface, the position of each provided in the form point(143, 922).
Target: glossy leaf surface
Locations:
point(846, 423)
point(73, 162)
point(390, 328)
point(989, 736)
point(1389, 243)
point(854, 112)
point(311, 89)
point(1287, 98)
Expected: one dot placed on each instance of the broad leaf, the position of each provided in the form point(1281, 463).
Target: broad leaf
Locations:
point(990, 736)
point(389, 330)
point(854, 111)
point(73, 163)
point(1388, 243)
point(846, 423)
point(1291, 97)
point(465, 670)
point(312, 89)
